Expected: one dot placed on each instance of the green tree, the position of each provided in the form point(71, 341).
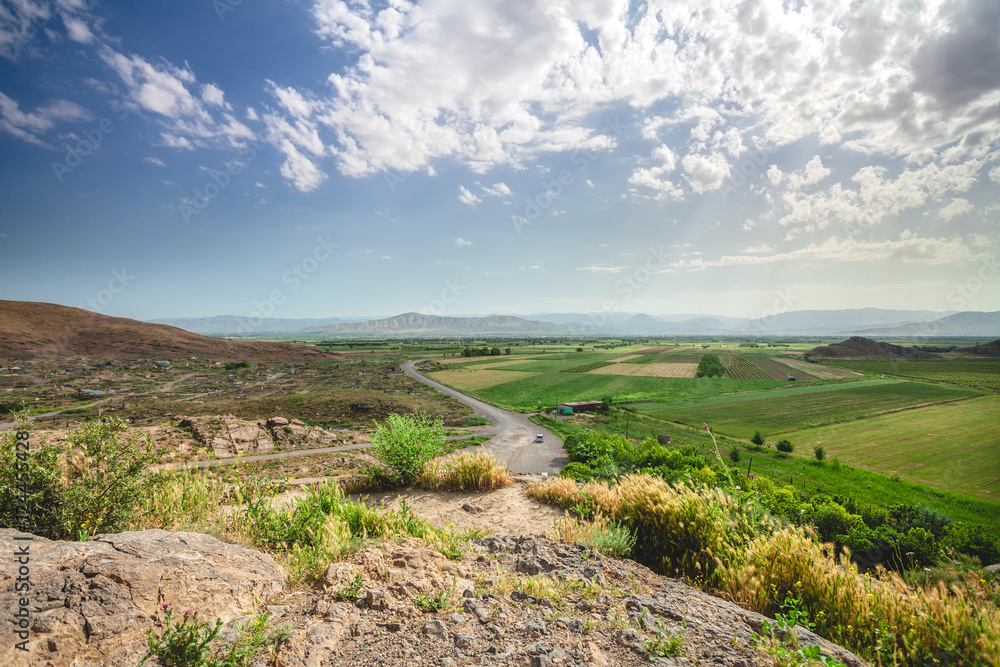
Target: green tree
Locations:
point(785, 445)
point(819, 452)
point(406, 443)
point(757, 439)
point(710, 366)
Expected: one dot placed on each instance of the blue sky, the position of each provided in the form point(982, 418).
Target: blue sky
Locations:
point(330, 158)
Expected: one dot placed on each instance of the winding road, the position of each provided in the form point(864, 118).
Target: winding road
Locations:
point(513, 441)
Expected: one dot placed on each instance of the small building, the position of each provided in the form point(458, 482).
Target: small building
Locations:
point(579, 406)
point(791, 378)
point(162, 363)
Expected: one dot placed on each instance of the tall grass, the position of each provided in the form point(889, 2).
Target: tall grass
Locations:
point(322, 527)
point(475, 471)
point(707, 536)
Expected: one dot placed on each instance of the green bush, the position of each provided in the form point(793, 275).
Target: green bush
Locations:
point(819, 452)
point(91, 484)
point(406, 444)
point(579, 472)
point(785, 445)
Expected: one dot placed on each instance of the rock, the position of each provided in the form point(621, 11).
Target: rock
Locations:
point(472, 509)
point(376, 599)
point(435, 628)
point(464, 641)
point(97, 598)
point(536, 628)
point(277, 421)
point(992, 569)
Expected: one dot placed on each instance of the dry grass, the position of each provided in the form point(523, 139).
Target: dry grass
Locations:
point(705, 535)
point(477, 471)
point(471, 378)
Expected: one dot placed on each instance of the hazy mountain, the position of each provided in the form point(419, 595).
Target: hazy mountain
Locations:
point(433, 325)
point(850, 321)
point(959, 324)
point(220, 325)
point(30, 330)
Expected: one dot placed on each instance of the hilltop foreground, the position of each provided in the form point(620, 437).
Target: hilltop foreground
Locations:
point(30, 330)
point(523, 600)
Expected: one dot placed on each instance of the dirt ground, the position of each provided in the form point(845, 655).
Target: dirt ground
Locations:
point(506, 511)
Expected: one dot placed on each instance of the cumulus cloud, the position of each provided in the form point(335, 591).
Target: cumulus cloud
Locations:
point(706, 172)
point(167, 91)
point(497, 190)
point(462, 242)
point(467, 197)
point(957, 207)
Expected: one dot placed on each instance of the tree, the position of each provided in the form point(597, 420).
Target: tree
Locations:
point(710, 366)
point(785, 445)
point(819, 452)
point(757, 439)
point(406, 443)
point(734, 454)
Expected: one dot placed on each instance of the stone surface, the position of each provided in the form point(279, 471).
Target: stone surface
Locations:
point(92, 601)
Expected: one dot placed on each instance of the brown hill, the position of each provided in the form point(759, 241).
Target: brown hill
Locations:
point(30, 330)
point(991, 349)
point(857, 347)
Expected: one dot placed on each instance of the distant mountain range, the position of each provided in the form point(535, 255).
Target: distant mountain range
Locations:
point(848, 322)
point(420, 324)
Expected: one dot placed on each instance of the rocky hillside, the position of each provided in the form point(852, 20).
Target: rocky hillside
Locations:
point(32, 330)
point(991, 349)
point(857, 347)
point(510, 601)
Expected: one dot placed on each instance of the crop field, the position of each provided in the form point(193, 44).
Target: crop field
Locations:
point(471, 380)
point(740, 368)
point(676, 370)
point(954, 446)
point(981, 373)
point(778, 370)
point(795, 409)
point(818, 370)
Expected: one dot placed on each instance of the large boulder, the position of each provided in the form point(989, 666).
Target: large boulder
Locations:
point(227, 435)
point(90, 603)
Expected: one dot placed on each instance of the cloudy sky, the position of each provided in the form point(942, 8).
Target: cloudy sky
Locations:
point(366, 158)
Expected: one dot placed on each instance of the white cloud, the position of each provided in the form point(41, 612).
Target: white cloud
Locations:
point(467, 197)
point(653, 177)
point(30, 126)
point(299, 169)
point(77, 30)
point(706, 172)
point(813, 173)
point(909, 248)
point(462, 242)
point(497, 190)
point(154, 160)
point(600, 268)
point(957, 207)
point(166, 90)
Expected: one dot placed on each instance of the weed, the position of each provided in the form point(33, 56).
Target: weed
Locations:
point(352, 591)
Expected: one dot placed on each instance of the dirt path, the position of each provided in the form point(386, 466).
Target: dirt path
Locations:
point(513, 441)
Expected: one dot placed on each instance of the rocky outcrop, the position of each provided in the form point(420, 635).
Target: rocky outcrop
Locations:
point(227, 435)
point(91, 602)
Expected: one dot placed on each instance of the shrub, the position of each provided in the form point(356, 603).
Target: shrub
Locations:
point(734, 454)
point(406, 444)
point(91, 485)
point(757, 439)
point(578, 472)
point(819, 452)
point(785, 445)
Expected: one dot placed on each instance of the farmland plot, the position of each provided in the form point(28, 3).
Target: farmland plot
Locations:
point(676, 370)
point(467, 379)
point(818, 370)
point(779, 371)
point(740, 368)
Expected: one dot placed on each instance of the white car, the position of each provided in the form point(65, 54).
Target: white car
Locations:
point(539, 437)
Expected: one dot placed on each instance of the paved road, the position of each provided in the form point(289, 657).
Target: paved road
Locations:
point(513, 441)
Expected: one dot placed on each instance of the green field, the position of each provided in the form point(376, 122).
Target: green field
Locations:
point(954, 446)
point(981, 373)
point(796, 409)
